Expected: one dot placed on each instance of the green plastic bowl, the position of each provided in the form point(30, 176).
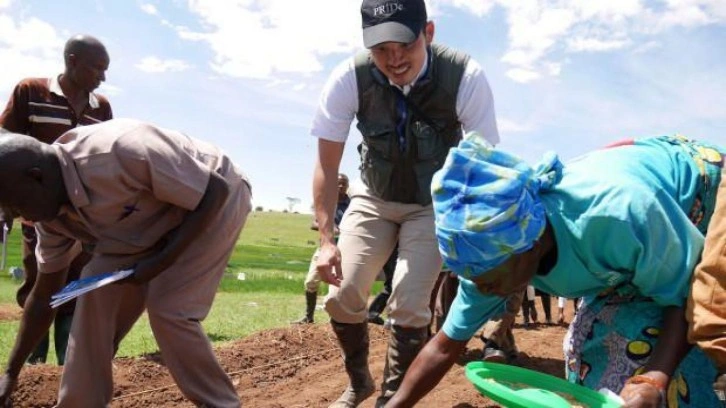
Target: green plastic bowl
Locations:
point(538, 390)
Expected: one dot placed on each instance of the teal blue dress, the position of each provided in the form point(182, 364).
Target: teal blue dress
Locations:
point(629, 222)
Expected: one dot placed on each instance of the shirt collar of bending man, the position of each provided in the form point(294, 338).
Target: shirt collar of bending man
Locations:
point(74, 188)
point(407, 88)
point(54, 86)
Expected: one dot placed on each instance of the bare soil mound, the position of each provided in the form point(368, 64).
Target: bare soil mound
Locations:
point(10, 311)
point(298, 366)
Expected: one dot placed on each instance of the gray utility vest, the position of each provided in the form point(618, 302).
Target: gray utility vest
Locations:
point(430, 130)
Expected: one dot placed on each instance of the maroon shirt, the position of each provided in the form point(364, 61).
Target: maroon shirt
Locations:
point(38, 108)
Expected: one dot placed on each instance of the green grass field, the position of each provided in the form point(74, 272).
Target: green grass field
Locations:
point(273, 252)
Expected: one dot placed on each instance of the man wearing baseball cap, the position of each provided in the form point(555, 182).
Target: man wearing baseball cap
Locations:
point(412, 100)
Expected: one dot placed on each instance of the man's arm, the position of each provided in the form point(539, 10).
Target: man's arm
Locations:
point(37, 317)
point(429, 367)
point(179, 239)
point(14, 118)
point(325, 195)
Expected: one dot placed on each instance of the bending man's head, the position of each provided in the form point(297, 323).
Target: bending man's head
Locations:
point(488, 209)
point(31, 185)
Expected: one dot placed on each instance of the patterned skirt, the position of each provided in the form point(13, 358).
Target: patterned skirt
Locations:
point(612, 338)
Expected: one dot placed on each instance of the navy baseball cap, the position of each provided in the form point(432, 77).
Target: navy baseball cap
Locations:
point(392, 20)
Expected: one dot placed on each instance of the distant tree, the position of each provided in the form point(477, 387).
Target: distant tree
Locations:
point(291, 203)
point(259, 208)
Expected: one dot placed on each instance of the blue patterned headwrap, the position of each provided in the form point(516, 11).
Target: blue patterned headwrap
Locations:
point(487, 205)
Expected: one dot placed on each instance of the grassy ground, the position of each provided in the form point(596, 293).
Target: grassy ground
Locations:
point(273, 253)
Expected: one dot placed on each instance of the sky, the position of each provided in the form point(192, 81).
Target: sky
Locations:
point(567, 76)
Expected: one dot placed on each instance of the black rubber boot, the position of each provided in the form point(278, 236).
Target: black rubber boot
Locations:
point(403, 347)
point(353, 339)
point(310, 299)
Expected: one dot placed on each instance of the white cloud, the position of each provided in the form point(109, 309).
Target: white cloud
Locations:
point(544, 31)
point(109, 90)
point(157, 65)
point(270, 39)
point(477, 7)
point(580, 44)
point(28, 48)
point(149, 9)
point(5, 4)
point(646, 47)
point(274, 37)
point(509, 126)
point(523, 75)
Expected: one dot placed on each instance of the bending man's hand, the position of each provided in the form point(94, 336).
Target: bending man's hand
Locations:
point(148, 268)
point(328, 264)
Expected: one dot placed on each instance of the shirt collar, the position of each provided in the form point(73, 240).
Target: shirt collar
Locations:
point(407, 88)
point(54, 86)
point(74, 188)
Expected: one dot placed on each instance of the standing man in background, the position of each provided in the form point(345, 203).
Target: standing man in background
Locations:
point(45, 108)
point(312, 280)
point(412, 99)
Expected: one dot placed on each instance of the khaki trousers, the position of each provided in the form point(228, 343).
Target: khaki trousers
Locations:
point(706, 311)
point(312, 280)
point(368, 233)
point(177, 300)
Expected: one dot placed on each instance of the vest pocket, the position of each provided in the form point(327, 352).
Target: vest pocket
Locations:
point(429, 143)
point(377, 175)
point(376, 165)
point(377, 141)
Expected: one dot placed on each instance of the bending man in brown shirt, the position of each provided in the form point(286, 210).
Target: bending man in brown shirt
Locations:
point(45, 108)
point(146, 198)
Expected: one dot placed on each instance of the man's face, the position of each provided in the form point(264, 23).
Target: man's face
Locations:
point(88, 70)
point(342, 186)
point(29, 198)
point(400, 62)
point(510, 277)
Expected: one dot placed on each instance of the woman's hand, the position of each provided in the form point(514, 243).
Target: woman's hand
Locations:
point(641, 395)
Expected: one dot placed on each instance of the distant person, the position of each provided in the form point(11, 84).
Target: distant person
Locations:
point(530, 310)
point(45, 108)
point(152, 199)
point(411, 99)
point(312, 280)
point(378, 304)
point(561, 303)
point(623, 226)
